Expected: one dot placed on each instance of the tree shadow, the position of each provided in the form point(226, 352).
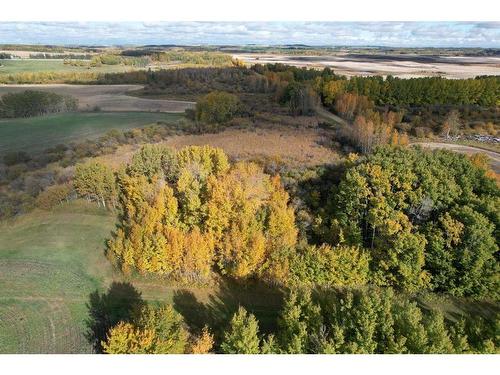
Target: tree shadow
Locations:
point(262, 300)
point(119, 303)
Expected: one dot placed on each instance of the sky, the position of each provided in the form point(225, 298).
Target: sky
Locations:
point(393, 34)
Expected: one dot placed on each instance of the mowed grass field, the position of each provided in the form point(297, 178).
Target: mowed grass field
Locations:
point(14, 66)
point(38, 133)
point(50, 261)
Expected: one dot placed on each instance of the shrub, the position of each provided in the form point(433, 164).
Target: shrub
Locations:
point(53, 195)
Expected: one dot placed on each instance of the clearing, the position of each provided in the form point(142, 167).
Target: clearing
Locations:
point(295, 146)
point(38, 133)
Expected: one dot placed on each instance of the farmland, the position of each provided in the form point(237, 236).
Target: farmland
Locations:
point(106, 97)
point(15, 66)
point(398, 65)
point(39, 133)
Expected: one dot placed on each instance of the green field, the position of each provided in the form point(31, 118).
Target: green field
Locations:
point(51, 261)
point(51, 65)
point(38, 133)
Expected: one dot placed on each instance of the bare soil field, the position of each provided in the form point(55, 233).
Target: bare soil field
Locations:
point(106, 97)
point(298, 147)
point(403, 66)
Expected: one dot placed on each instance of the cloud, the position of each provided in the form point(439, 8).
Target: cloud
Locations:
point(404, 34)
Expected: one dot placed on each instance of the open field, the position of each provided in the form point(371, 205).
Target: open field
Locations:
point(403, 66)
point(39, 133)
point(106, 97)
point(14, 66)
point(51, 261)
point(299, 147)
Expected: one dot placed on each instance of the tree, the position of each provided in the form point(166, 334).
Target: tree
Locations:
point(124, 338)
point(299, 322)
point(372, 320)
point(156, 330)
point(31, 103)
point(216, 107)
point(202, 344)
point(96, 182)
point(401, 205)
point(150, 161)
point(331, 266)
point(461, 253)
point(452, 124)
point(242, 335)
point(301, 99)
point(199, 210)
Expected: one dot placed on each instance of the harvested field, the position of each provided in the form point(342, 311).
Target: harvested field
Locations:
point(299, 147)
point(106, 97)
point(403, 66)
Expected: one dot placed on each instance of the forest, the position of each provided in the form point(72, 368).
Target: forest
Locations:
point(387, 230)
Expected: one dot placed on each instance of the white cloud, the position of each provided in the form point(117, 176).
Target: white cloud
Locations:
point(411, 34)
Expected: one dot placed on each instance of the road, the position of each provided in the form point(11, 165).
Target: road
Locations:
point(494, 156)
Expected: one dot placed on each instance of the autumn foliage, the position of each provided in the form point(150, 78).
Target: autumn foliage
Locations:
point(199, 213)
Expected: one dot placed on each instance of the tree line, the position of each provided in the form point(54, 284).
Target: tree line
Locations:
point(311, 321)
point(32, 103)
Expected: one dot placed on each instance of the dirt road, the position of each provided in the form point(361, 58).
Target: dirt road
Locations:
point(469, 150)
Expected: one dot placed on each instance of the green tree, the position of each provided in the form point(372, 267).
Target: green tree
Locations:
point(96, 182)
point(216, 107)
point(242, 336)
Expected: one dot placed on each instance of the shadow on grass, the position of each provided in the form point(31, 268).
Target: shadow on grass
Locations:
point(119, 303)
point(262, 300)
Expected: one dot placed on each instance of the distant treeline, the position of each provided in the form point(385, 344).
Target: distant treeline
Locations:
point(35, 103)
point(206, 58)
point(49, 77)
point(60, 56)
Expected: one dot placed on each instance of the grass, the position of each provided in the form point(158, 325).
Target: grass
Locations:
point(50, 261)
point(52, 65)
point(38, 133)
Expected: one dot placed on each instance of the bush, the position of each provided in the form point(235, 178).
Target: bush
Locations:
point(12, 158)
point(53, 196)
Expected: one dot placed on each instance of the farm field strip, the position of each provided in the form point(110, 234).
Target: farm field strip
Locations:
point(106, 97)
point(39, 133)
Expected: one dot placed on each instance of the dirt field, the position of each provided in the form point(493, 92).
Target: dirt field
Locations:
point(404, 66)
point(299, 147)
point(106, 97)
